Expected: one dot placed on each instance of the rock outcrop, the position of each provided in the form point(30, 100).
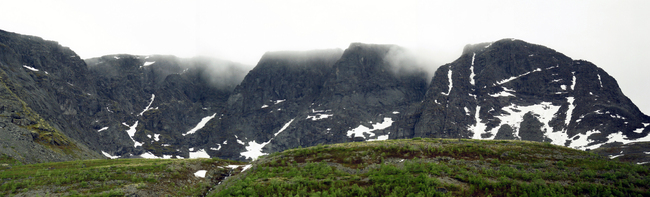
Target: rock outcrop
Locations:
point(511, 89)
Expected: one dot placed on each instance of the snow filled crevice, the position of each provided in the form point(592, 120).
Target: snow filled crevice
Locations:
point(254, 149)
point(200, 125)
point(478, 128)
point(573, 82)
point(360, 130)
point(471, 68)
point(131, 131)
point(102, 129)
point(451, 82)
point(30, 68)
point(600, 81)
point(153, 96)
point(569, 99)
point(515, 77)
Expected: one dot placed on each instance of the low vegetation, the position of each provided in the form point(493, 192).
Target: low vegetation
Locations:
point(405, 167)
point(119, 177)
point(438, 167)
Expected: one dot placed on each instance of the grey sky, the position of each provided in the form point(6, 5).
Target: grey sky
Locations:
point(611, 34)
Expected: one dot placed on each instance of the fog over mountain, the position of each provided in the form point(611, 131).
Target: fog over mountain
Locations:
point(612, 35)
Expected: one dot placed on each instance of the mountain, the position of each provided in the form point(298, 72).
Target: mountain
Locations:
point(293, 99)
point(42, 116)
point(157, 106)
point(511, 89)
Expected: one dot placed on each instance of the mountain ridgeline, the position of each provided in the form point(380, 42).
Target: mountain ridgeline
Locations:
point(163, 106)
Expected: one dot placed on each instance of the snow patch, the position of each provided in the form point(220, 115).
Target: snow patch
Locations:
point(360, 130)
point(569, 112)
point(246, 167)
point(619, 137)
point(254, 149)
point(639, 130)
point(215, 149)
point(200, 125)
point(199, 154)
point(30, 68)
point(102, 129)
point(380, 137)
point(515, 77)
point(501, 94)
point(153, 96)
point(543, 111)
point(319, 116)
point(600, 81)
point(467, 112)
point(615, 156)
point(200, 173)
point(239, 141)
point(131, 132)
point(573, 82)
point(149, 155)
point(478, 128)
point(451, 82)
point(265, 106)
point(109, 155)
point(471, 68)
point(280, 101)
point(286, 125)
point(583, 142)
point(395, 112)
point(641, 163)
point(148, 63)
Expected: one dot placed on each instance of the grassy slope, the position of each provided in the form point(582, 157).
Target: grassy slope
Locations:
point(143, 177)
point(438, 167)
point(417, 167)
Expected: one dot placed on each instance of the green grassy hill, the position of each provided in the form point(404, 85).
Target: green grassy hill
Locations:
point(118, 177)
point(438, 167)
point(413, 167)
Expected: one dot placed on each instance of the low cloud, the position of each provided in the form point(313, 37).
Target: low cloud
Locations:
point(221, 74)
point(409, 61)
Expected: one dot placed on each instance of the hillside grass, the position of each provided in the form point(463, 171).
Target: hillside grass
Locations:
point(438, 167)
point(105, 177)
point(405, 167)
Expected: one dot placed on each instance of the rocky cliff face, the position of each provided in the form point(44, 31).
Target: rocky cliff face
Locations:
point(511, 89)
point(163, 106)
point(43, 114)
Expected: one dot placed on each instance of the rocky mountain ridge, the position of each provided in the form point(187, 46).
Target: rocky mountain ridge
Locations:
point(163, 106)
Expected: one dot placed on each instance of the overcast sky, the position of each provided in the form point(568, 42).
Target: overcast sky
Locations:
point(614, 35)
